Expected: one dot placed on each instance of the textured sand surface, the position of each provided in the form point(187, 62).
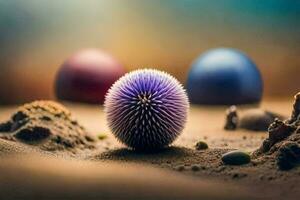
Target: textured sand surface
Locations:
point(39, 176)
point(204, 123)
point(186, 174)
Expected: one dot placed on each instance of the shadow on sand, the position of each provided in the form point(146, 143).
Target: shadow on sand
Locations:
point(166, 155)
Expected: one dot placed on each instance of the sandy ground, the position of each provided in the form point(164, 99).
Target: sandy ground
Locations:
point(112, 171)
point(35, 175)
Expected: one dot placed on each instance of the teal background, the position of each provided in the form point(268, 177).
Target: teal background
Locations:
point(36, 36)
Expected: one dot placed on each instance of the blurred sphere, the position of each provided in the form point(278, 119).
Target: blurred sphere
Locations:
point(224, 76)
point(86, 76)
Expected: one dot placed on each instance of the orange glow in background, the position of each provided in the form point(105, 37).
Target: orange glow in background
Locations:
point(37, 36)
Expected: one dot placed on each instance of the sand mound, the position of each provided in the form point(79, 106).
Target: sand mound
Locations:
point(48, 125)
point(283, 143)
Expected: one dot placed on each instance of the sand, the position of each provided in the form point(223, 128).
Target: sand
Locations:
point(111, 171)
point(48, 125)
point(40, 176)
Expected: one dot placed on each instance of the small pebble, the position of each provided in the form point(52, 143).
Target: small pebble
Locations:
point(235, 175)
point(180, 167)
point(288, 156)
point(201, 145)
point(102, 136)
point(238, 175)
point(236, 158)
point(231, 118)
point(257, 119)
point(195, 168)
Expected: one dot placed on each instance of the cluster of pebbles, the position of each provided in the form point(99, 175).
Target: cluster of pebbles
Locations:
point(48, 125)
point(283, 142)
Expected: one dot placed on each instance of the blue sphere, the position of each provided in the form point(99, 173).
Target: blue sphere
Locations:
point(224, 76)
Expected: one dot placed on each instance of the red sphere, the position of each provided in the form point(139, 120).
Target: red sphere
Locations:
point(86, 76)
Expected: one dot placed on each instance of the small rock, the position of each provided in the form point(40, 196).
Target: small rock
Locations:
point(102, 136)
point(231, 118)
point(236, 158)
point(257, 119)
point(288, 156)
point(195, 168)
point(279, 130)
point(201, 145)
point(266, 146)
point(238, 175)
point(252, 119)
point(180, 168)
point(296, 110)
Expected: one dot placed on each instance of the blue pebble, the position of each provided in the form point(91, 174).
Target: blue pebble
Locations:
point(224, 76)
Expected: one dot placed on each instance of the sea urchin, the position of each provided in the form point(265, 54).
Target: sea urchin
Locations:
point(146, 109)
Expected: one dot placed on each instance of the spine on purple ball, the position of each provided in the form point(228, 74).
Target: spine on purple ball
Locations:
point(146, 109)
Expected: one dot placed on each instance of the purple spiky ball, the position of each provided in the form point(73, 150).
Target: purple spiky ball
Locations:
point(146, 109)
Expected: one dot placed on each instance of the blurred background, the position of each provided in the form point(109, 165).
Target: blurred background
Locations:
point(36, 36)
